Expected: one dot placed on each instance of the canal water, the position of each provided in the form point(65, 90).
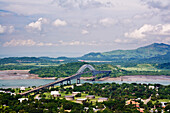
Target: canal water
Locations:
point(37, 82)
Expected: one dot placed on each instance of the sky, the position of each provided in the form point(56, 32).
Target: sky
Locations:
point(76, 27)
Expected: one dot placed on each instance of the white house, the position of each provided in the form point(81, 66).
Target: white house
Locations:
point(21, 99)
point(22, 88)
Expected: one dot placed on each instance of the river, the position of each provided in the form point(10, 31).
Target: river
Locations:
point(14, 81)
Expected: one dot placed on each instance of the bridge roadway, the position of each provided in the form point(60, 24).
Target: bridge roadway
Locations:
point(77, 75)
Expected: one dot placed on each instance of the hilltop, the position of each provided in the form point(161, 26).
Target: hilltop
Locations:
point(151, 52)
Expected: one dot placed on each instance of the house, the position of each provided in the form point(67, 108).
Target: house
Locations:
point(70, 97)
point(81, 100)
point(164, 104)
point(75, 93)
point(102, 99)
point(55, 94)
point(22, 88)
point(133, 102)
point(151, 87)
point(21, 99)
point(90, 96)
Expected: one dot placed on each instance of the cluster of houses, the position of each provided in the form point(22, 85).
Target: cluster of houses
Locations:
point(1, 91)
point(137, 104)
point(78, 100)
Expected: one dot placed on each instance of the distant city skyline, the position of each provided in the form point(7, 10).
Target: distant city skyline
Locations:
point(75, 27)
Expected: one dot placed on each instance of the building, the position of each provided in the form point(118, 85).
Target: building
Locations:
point(133, 102)
point(55, 94)
point(21, 99)
point(102, 99)
point(75, 93)
point(90, 96)
point(22, 88)
point(81, 100)
point(151, 87)
point(70, 97)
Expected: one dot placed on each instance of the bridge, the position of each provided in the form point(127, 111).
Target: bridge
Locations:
point(68, 79)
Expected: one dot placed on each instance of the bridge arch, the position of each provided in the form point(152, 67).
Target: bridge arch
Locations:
point(82, 68)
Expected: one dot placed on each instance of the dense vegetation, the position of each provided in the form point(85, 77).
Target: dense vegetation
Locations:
point(17, 67)
point(118, 94)
point(164, 66)
point(68, 69)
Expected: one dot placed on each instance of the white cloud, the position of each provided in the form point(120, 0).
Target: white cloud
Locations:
point(37, 25)
point(29, 42)
point(121, 40)
point(14, 43)
point(2, 29)
point(6, 29)
point(145, 30)
point(84, 32)
point(77, 43)
point(59, 22)
point(107, 21)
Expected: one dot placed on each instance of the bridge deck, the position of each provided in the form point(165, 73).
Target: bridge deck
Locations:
point(77, 75)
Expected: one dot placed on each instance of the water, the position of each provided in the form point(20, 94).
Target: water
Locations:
point(38, 82)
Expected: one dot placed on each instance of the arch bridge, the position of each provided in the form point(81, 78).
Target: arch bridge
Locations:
point(68, 79)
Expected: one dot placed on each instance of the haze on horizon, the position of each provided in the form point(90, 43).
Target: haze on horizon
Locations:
point(75, 27)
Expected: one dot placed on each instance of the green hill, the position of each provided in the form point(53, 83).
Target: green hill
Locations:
point(65, 70)
point(155, 51)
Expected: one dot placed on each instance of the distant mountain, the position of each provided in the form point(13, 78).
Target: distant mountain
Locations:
point(23, 60)
point(151, 52)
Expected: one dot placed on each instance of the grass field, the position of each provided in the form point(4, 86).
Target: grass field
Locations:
point(83, 95)
point(142, 67)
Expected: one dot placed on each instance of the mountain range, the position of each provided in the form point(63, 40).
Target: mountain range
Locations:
point(154, 53)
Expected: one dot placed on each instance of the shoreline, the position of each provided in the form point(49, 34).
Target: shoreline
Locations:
point(24, 74)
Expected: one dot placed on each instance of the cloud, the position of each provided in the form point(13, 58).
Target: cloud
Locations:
point(158, 4)
point(107, 21)
point(14, 43)
point(59, 22)
point(84, 32)
point(6, 29)
point(76, 43)
point(2, 29)
point(36, 25)
point(149, 30)
point(83, 4)
point(121, 40)
point(30, 42)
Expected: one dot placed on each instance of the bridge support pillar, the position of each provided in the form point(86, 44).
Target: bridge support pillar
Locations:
point(61, 83)
point(68, 82)
point(78, 81)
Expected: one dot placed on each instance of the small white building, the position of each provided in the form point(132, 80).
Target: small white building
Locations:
point(69, 97)
point(81, 100)
point(151, 87)
point(163, 104)
point(75, 93)
point(55, 94)
point(78, 84)
point(102, 99)
point(21, 99)
point(22, 88)
point(1, 91)
point(38, 98)
point(90, 96)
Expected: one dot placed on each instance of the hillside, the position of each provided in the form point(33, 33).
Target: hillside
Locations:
point(65, 70)
point(155, 51)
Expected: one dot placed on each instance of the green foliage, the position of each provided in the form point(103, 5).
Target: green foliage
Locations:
point(164, 66)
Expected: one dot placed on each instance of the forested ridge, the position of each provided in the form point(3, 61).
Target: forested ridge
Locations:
point(65, 70)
